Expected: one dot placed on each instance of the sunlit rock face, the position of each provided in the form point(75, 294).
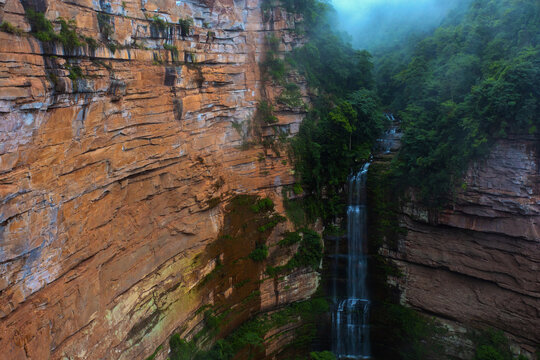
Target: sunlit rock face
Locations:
point(114, 182)
point(476, 263)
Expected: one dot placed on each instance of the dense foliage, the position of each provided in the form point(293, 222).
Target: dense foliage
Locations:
point(250, 337)
point(472, 82)
point(336, 136)
point(493, 345)
point(344, 120)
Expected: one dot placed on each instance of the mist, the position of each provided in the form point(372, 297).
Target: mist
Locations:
point(379, 24)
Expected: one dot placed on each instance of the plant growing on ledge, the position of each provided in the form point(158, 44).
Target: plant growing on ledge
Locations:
point(273, 221)
point(68, 36)
point(291, 96)
point(9, 28)
point(259, 254)
point(185, 26)
point(273, 65)
point(42, 28)
point(173, 49)
point(265, 112)
point(105, 26)
point(159, 23)
point(263, 205)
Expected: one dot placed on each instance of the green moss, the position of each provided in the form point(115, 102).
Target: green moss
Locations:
point(9, 28)
point(309, 253)
point(297, 189)
point(42, 29)
point(181, 349)
point(333, 230)
point(75, 73)
point(242, 283)
point(54, 79)
point(294, 208)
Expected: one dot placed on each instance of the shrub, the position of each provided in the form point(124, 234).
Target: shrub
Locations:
point(75, 72)
point(486, 352)
point(273, 221)
point(9, 28)
point(92, 43)
point(105, 26)
point(309, 253)
point(173, 49)
point(259, 254)
point(263, 205)
point(185, 26)
point(181, 349)
point(68, 36)
point(42, 28)
point(291, 96)
point(493, 345)
point(290, 238)
point(265, 112)
point(324, 355)
point(159, 23)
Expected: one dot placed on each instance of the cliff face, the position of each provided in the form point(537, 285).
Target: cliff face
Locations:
point(476, 264)
point(115, 168)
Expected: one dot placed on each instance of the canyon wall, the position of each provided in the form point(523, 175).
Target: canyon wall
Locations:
point(117, 161)
point(476, 264)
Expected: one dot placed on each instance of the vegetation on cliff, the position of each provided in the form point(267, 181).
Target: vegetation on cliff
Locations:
point(344, 119)
point(248, 340)
point(473, 81)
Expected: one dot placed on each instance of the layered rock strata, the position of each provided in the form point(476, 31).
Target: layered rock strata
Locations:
point(476, 264)
point(116, 160)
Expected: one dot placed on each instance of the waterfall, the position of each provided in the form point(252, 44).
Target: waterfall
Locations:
point(350, 318)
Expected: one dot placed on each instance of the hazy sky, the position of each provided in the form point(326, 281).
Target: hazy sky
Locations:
point(373, 23)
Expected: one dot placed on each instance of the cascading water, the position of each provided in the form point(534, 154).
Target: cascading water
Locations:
point(350, 319)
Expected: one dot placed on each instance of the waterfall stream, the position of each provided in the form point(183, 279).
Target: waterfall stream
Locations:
point(350, 318)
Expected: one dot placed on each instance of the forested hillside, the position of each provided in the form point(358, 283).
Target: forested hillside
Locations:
point(473, 81)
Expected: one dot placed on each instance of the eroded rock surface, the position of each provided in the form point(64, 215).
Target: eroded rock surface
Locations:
point(111, 181)
point(478, 262)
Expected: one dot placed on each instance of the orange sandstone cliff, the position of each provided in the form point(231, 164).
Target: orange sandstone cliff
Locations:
point(118, 161)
